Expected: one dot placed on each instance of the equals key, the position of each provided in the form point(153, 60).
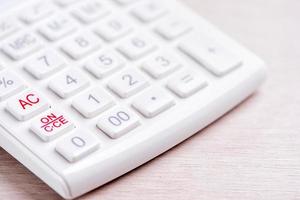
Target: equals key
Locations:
point(186, 84)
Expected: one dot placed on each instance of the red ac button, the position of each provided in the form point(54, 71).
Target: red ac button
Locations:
point(27, 105)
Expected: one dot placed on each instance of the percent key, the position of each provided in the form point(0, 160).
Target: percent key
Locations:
point(10, 85)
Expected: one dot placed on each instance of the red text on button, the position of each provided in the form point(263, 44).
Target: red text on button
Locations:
point(52, 122)
point(30, 100)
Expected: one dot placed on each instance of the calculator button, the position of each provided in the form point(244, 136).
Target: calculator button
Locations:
point(136, 47)
point(161, 65)
point(153, 102)
point(37, 12)
point(27, 105)
point(65, 3)
point(114, 28)
point(128, 83)
point(57, 28)
point(21, 46)
point(77, 145)
point(45, 64)
point(117, 122)
point(149, 11)
point(80, 45)
point(7, 27)
point(10, 84)
point(51, 125)
point(104, 64)
point(69, 83)
point(172, 28)
point(90, 11)
point(186, 84)
point(93, 102)
point(217, 59)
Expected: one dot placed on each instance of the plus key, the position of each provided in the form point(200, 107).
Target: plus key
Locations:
point(27, 105)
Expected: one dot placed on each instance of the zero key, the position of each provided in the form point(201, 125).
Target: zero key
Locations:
point(27, 105)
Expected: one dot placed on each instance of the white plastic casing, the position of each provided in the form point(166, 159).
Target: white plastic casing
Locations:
point(153, 137)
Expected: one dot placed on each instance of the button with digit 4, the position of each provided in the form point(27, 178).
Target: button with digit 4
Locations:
point(117, 122)
point(77, 145)
point(69, 83)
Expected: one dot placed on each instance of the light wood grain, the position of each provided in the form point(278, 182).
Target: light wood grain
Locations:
point(251, 153)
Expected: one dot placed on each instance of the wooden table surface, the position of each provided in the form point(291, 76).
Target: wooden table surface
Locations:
point(251, 153)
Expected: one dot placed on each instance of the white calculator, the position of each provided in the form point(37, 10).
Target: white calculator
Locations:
point(91, 89)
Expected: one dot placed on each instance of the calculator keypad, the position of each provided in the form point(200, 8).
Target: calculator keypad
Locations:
point(114, 71)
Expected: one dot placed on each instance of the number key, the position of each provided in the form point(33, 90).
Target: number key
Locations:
point(45, 64)
point(77, 145)
point(92, 103)
point(104, 64)
point(128, 83)
point(137, 46)
point(81, 45)
point(69, 83)
point(117, 122)
point(161, 65)
point(114, 28)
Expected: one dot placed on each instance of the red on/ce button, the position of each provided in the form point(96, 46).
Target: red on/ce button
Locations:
point(51, 125)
